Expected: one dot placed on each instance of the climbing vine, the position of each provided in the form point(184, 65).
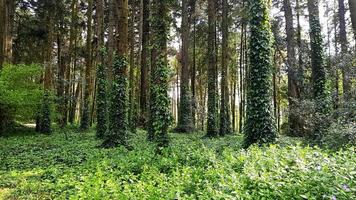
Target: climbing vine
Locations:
point(260, 124)
point(118, 110)
point(101, 101)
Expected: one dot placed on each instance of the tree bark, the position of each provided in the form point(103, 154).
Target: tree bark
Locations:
point(144, 62)
point(85, 119)
point(352, 5)
point(185, 118)
point(225, 123)
point(212, 122)
point(293, 91)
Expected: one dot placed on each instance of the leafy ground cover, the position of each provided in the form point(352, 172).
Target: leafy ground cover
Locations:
point(52, 167)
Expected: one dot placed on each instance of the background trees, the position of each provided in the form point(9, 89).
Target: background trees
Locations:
point(202, 69)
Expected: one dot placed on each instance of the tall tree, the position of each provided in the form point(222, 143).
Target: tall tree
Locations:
point(293, 91)
point(159, 102)
point(85, 119)
point(101, 101)
point(212, 123)
point(318, 67)
point(343, 42)
point(144, 62)
point(185, 118)
point(119, 98)
point(260, 124)
point(352, 5)
point(225, 123)
point(7, 9)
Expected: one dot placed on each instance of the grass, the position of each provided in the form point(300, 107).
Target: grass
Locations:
point(50, 167)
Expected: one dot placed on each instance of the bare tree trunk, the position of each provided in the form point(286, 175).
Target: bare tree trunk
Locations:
point(7, 11)
point(85, 119)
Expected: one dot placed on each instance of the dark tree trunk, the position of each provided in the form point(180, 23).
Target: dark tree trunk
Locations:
point(212, 122)
point(144, 62)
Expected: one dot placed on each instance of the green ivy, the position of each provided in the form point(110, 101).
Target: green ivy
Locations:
point(260, 124)
point(45, 115)
point(118, 110)
point(101, 101)
point(321, 99)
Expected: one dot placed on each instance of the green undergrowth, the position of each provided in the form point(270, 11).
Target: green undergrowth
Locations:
point(51, 167)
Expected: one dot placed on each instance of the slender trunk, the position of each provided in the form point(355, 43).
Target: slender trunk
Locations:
point(352, 5)
point(343, 42)
point(144, 62)
point(85, 119)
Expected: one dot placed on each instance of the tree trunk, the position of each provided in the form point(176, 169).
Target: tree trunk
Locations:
point(318, 68)
point(225, 123)
point(85, 119)
point(352, 5)
point(159, 101)
point(212, 123)
point(293, 91)
point(343, 42)
point(260, 123)
point(144, 62)
point(185, 118)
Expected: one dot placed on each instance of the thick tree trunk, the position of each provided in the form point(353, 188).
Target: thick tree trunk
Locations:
point(212, 122)
point(225, 123)
point(185, 118)
point(7, 11)
point(293, 91)
point(318, 68)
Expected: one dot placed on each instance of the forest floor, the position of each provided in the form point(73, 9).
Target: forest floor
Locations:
point(34, 166)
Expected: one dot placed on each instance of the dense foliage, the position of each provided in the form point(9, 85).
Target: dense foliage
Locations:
point(50, 167)
point(20, 93)
point(118, 113)
point(160, 116)
point(260, 123)
point(101, 101)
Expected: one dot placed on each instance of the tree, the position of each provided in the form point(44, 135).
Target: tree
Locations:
point(295, 128)
point(85, 120)
point(343, 42)
point(318, 68)
point(144, 62)
point(160, 116)
point(101, 101)
point(118, 125)
point(212, 123)
point(260, 124)
point(7, 9)
point(352, 5)
point(185, 118)
point(225, 123)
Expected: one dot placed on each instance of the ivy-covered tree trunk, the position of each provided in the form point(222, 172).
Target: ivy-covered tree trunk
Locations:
point(118, 126)
point(85, 119)
point(225, 123)
point(160, 116)
point(212, 122)
point(144, 63)
point(101, 100)
point(185, 118)
point(318, 69)
point(260, 124)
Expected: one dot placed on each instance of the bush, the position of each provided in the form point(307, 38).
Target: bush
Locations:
point(20, 93)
